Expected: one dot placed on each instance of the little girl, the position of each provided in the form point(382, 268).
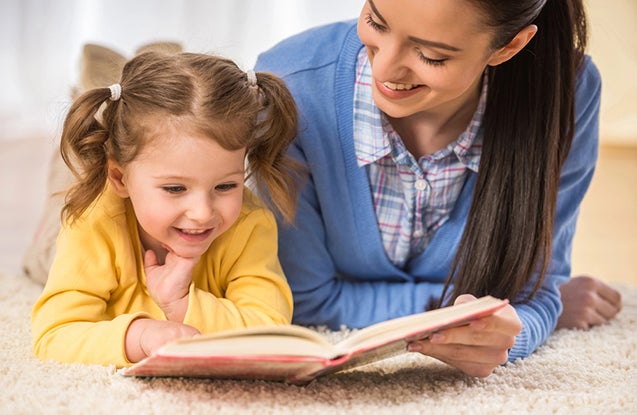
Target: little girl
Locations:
point(161, 239)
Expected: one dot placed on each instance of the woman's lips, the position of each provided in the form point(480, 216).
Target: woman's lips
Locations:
point(397, 91)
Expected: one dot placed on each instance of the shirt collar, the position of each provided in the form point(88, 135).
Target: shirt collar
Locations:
point(372, 133)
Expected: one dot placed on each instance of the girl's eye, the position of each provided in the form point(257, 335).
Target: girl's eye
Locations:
point(429, 61)
point(174, 189)
point(226, 187)
point(370, 21)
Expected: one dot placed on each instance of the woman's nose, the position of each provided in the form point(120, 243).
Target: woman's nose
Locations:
point(388, 62)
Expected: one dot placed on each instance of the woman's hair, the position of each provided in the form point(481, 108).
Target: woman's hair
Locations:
point(206, 94)
point(528, 129)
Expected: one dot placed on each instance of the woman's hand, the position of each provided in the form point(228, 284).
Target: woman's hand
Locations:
point(145, 335)
point(587, 302)
point(477, 348)
point(168, 284)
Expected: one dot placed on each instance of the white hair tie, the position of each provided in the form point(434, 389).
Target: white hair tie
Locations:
point(252, 77)
point(116, 91)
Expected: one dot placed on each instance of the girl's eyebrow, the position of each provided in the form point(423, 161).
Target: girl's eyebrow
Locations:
point(428, 43)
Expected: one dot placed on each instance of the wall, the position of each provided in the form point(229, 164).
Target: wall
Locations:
point(40, 42)
point(613, 45)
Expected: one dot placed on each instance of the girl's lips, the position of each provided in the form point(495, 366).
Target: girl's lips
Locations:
point(194, 237)
point(396, 93)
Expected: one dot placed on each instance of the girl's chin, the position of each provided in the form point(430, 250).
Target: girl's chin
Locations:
point(190, 253)
point(187, 252)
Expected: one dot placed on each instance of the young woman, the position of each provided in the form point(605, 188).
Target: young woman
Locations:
point(161, 239)
point(449, 145)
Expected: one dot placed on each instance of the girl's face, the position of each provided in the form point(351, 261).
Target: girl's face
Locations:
point(185, 188)
point(426, 55)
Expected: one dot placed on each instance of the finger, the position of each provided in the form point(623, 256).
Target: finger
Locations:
point(605, 309)
point(473, 360)
point(464, 298)
point(594, 318)
point(473, 369)
point(469, 336)
point(504, 321)
point(181, 263)
point(150, 258)
point(611, 296)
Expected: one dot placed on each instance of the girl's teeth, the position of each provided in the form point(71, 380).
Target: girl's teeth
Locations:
point(399, 87)
point(193, 231)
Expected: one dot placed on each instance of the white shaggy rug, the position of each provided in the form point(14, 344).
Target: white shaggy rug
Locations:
point(592, 372)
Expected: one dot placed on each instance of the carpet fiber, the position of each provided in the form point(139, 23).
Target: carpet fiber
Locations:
point(574, 372)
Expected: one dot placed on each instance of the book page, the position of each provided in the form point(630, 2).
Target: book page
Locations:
point(418, 326)
point(254, 341)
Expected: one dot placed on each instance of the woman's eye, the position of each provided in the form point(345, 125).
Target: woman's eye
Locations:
point(372, 23)
point(429, 61)
point(174, 189)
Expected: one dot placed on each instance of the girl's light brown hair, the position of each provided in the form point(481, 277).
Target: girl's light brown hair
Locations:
point(208, 94)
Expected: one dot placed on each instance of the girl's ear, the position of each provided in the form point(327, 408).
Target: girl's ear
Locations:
point(116, 178)
point(514, 46)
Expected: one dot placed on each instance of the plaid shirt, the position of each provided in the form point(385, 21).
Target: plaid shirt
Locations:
point(412, 198)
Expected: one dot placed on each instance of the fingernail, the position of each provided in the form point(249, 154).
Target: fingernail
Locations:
point(414, 347)
point(437, 337)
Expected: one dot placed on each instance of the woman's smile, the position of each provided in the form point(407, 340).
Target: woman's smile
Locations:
point(398, 91)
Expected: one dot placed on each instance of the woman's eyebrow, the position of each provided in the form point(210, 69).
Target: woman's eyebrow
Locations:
point(432, 44)
point(428, 43)
point(375, 10)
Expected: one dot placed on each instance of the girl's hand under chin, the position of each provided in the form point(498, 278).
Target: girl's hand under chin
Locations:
point(168, 283)
point(477, 348)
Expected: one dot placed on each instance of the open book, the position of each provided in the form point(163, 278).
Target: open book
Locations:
point(297, 354)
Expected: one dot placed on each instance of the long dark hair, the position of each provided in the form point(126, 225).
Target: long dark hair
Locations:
point(528, 129)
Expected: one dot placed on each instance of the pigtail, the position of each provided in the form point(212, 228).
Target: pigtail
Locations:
point(83, 149)
point(275, 174)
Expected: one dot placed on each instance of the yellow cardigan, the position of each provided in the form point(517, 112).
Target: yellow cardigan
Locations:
point(96, 285)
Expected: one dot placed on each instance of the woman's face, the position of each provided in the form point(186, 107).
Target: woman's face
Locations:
point(426, 55)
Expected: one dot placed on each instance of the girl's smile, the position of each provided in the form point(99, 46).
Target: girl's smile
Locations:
point(194, 235)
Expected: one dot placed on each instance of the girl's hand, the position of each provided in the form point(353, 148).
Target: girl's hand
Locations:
point(587, 302)
point(477, 348)
point(145, 335)
point(168, 284)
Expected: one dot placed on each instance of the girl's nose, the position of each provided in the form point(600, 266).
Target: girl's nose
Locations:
point(201, 208)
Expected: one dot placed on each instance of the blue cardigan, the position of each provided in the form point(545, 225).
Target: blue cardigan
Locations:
point(333, 255)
